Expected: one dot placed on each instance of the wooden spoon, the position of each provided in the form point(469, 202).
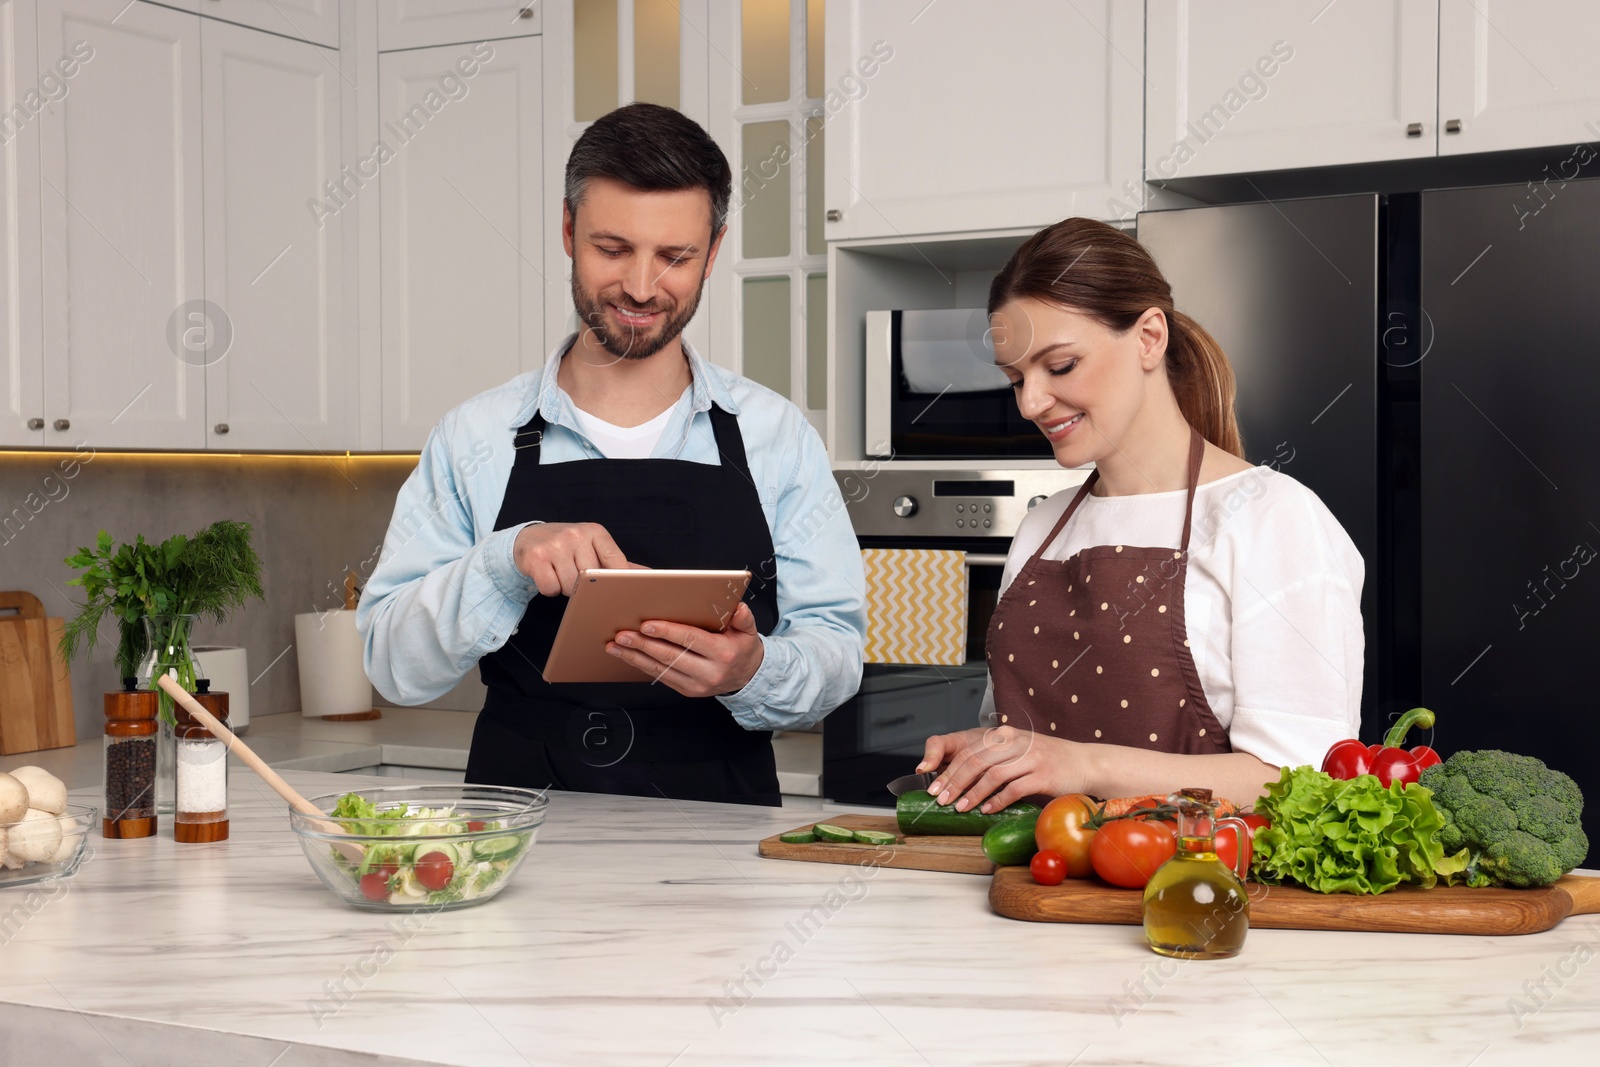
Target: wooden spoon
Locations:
point(350, 850)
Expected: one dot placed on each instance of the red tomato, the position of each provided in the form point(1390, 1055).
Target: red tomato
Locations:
point(1060, 830)
point(1255, 822)
point(474, 826)
point(1126, 852)
point(1048, 868)
point(1235, 844)
point(434, 871)
point(375, 885)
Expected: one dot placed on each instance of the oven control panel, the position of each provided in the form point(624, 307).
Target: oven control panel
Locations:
point(885, 502)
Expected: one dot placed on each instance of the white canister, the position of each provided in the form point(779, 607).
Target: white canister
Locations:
point(229, 671)
point(332, 679)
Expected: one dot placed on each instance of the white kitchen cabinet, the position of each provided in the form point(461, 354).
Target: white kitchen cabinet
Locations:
point(121, 222)
point(21, 362)
point(1253, 85)
point(461, 228)
point(1517, 75)
point(422, 23)
point(305, 20)
point(1248, 85)
point(272, 243)
point(948, 117)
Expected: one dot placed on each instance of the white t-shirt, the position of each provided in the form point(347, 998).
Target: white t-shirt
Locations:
point(1272, 599)
point(623, 442)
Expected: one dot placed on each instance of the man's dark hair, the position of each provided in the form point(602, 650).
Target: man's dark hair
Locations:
point(651, 147)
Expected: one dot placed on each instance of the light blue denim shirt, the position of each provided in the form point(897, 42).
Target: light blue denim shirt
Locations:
point(446, 591)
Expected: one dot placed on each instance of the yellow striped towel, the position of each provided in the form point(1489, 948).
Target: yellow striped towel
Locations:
point(916, 606)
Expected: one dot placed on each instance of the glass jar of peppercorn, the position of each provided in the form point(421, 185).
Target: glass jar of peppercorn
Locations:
point(130, 759)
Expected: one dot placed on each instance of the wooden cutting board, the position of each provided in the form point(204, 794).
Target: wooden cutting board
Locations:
point(1405, 910)
point(955, 855)
point(35, 688)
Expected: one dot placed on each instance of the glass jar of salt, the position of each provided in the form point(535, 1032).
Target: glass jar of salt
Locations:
point(202, 806)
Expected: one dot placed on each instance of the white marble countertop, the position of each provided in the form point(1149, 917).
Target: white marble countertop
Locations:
point(644, 931)
point(408, 737)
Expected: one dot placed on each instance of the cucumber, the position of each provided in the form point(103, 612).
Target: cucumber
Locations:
point(494, 848)
point(875, 837)
point(798, 837)
point(828, 832)
point(918, 813)
point(1011, 843)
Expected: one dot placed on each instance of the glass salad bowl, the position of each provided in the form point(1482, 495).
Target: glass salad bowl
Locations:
point(420, 847)
point(49, 848)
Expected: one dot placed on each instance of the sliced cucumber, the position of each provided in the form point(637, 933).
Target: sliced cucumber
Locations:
point(829, 832)
point(496, 847)
point(875, 837)
point(798, 837)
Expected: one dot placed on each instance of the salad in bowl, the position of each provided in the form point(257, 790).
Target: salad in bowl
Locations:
point(415, 848)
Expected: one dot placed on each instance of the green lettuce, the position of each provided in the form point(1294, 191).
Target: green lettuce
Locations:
point(1339, 835)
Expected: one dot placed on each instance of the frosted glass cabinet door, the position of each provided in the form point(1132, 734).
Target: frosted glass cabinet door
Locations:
point(22, 411)
point(963, 116)
point(1246, 85)
point(460, 230)
point(121, 228)
point(272, 243)
point(1519, 75)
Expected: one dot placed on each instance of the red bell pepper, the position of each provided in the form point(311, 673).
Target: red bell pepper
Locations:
point(1388, 761)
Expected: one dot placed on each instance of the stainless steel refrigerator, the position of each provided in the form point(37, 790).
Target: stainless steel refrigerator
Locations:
point(1428, 364)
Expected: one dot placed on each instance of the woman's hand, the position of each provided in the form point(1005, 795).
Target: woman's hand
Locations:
point(993, 767)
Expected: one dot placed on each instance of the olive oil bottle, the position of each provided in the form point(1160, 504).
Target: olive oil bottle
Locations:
point(1195, 907)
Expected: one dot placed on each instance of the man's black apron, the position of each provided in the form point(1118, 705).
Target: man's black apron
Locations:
point(639, 739)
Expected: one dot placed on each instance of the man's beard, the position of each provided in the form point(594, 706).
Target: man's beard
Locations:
point(627, 342)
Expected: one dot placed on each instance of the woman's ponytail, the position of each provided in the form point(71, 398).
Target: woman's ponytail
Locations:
point(1202, 380)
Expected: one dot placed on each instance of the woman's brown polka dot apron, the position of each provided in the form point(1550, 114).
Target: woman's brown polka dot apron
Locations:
point(1094, 648)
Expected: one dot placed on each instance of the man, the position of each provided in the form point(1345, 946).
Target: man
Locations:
point(628, 449)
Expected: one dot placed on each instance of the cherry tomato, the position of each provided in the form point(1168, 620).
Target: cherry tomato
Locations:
point(1060, 830)
point(1235, 844)
point(1126, 852)
point(1048, 868)
point(434, 871)
point(375, 885)
point(474, 826)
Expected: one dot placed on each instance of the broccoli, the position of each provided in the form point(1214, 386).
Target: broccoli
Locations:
point(1518, 818)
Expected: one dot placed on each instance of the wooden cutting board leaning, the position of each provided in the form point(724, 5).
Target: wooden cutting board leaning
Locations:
point(1406, 910)
point(35, 688)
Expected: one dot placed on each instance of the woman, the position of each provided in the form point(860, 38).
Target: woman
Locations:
point(1182, 619)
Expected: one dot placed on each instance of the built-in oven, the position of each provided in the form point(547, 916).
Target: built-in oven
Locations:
point(878, 734)
point(932, 389)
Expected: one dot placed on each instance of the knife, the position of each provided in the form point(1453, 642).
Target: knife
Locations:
point(908, 782)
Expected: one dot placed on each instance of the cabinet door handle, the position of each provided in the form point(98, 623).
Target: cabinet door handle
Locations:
point(525, 13)
point(1414, 130)
point(63, 424)
point(220, 427)
point(1453, 126)
point(834, 214)
point(35, 424)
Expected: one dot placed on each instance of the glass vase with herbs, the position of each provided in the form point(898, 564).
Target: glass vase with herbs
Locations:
point(157, 592)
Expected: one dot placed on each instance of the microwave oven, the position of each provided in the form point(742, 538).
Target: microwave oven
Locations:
point(933, 390)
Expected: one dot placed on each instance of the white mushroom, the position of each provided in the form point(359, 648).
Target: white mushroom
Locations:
point(2, 845)
point(45, 791)
point(35, 838)
point(13, 801)
point(69, 845)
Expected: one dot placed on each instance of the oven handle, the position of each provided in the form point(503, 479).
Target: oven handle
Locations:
point(986, 559)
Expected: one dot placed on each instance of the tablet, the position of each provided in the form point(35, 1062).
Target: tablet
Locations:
point(606, 601)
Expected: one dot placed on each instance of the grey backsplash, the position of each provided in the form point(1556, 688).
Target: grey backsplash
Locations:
point(314, 518)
